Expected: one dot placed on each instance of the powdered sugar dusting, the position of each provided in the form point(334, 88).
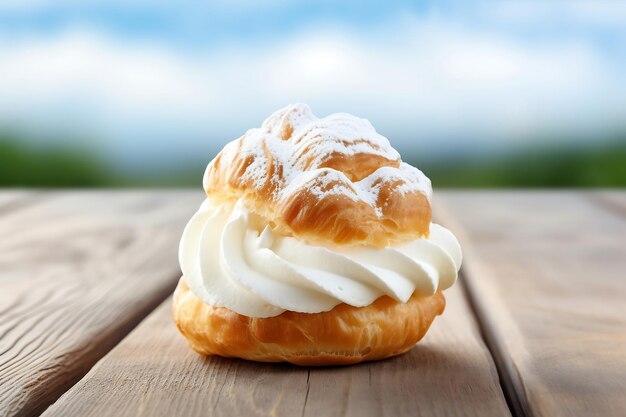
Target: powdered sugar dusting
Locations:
point(322, 182)
point(291, 147)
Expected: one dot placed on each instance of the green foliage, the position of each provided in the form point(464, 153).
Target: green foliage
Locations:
point(21, 166)
point(553, 167)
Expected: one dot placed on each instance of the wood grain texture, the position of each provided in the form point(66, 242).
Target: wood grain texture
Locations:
point(77, 272)
point(152, 372)
point(546, 272)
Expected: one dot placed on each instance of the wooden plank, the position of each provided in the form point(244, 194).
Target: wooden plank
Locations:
point(77, 272)
point(545, 272)
point(152, 372)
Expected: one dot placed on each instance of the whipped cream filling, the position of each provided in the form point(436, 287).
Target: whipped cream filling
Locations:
point(231, 258)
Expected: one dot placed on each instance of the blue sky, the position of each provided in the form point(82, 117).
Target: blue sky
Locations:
point(162, 79)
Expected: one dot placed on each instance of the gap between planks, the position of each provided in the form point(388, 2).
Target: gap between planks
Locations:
point(507, 375)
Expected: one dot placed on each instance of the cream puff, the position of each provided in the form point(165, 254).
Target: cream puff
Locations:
point(314, 246)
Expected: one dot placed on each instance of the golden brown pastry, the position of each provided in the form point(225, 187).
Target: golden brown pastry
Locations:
point(314, 246)
point(341, 336)
point(336, 162)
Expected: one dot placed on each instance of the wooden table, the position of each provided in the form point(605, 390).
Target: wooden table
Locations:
point(536, 325)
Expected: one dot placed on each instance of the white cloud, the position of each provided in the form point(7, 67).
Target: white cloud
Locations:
point(421, 79)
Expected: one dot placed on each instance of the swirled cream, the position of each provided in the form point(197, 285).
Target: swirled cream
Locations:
point(231, 258)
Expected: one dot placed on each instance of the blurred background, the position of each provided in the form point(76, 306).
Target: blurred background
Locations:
point(144, 93)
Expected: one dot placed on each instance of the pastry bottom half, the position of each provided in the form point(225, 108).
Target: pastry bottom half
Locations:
point(344, 335)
